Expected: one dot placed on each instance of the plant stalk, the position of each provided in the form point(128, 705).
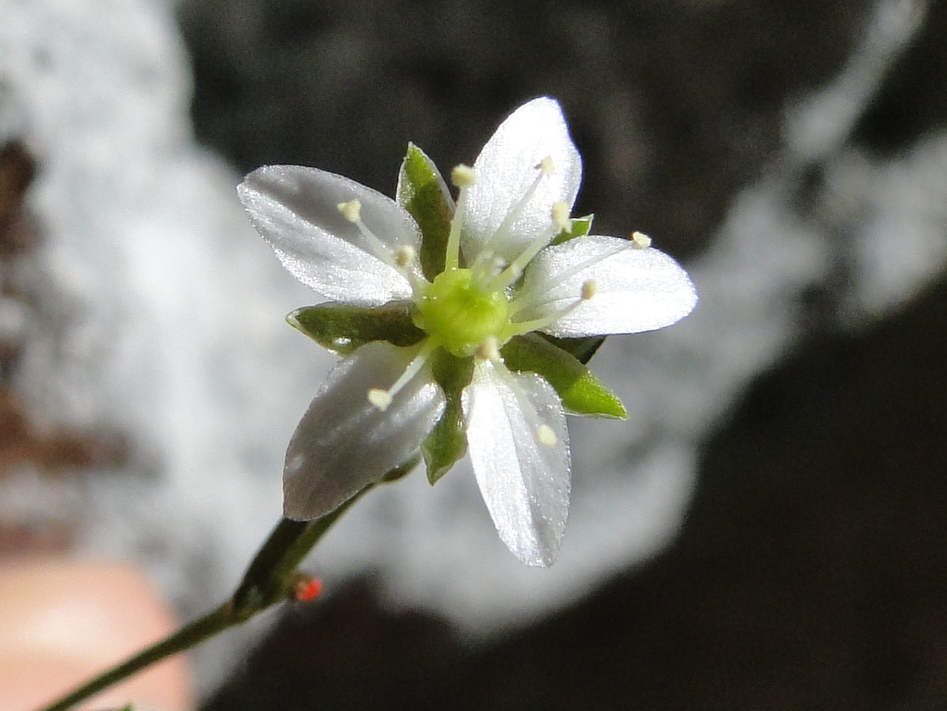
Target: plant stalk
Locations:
point(269, 580)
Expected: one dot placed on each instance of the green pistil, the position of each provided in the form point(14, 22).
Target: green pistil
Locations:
point(460, 313)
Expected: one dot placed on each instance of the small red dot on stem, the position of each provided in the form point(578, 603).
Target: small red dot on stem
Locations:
point(308, 590)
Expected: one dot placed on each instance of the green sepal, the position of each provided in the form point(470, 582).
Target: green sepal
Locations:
point(581, 392)
point(342, 328)
point(582, 348)
point(447, 442)
point(402, 470)
point(578, 227)
point(424, 194)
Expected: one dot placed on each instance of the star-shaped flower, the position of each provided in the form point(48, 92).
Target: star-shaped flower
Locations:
point(465, 326)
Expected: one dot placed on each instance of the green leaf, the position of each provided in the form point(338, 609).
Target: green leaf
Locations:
point(581, 392)
point(578, 227)
point(342, 328)
point(424, 194)
point(447, 442)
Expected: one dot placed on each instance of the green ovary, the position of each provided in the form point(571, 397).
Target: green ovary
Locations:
point(461, 314)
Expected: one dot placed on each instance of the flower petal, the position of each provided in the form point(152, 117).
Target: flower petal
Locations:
point(635, 289)
point(519, 447)
point(344, 443)
point(295, 209)
point(507, 167)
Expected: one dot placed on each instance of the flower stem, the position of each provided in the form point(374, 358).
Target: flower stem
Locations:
point(269, 580)
point(185, 638)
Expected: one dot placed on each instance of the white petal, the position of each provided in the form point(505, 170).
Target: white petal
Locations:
point(344, 443)
point(506, 168)
point(295, 209)
point(519, 447)
point(635, 289)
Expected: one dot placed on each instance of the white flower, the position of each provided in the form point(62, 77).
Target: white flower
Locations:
point(500, 276)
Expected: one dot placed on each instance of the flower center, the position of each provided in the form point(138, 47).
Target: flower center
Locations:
point(461, 312)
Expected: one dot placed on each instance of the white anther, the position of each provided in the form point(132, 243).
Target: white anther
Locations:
point(560, 215)
point(641, 240)
point(589, 289)
point(405, 255)
point(546, 436)
point(497, 265)
point(463, 176)
point(351, 210)
point(487, 266)
point(546, 166)
point(379, 398)
point(489, 350)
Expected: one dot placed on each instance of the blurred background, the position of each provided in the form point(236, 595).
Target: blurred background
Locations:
point(768, 529)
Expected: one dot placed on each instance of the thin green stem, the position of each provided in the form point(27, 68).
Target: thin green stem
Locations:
point(269, 580)
point(185, 638)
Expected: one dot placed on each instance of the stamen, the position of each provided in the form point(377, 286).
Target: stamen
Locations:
point(560, 222)
point(486, 267)
point(589, 289)
point(484, 258)
point(560, 215)
point(462, 176)
point(351, 210)
point(405, 256)
point(489, 350)
point(641, 240)
point(400, 259)
point(382, 398)
point(546, 436)
point(545, 168)
point(379, 398)
point(529, 301)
